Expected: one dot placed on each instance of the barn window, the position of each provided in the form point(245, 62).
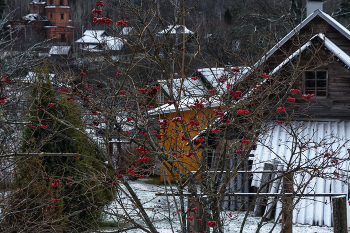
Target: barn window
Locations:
point(62, 16)
point(61, 2)
point(50, 15)
point(316, 83)
point(63, 37)
point(160, 98)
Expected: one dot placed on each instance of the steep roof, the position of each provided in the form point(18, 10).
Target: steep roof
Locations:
point(328, 44)
point(59, 50)
point(335, 24)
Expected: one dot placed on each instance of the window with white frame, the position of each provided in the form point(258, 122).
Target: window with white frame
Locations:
point(160, 98)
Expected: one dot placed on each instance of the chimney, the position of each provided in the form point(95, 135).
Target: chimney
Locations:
point(312, 5)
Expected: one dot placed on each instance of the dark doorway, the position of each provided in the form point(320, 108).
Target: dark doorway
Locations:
point(63, 37)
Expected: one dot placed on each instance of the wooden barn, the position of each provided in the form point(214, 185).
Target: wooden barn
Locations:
point(315, 55)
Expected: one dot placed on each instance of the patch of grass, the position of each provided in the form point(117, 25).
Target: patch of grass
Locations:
point(155, 180)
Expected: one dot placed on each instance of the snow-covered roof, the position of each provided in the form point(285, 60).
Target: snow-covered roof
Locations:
point(184, 105)
point(171, 29)
point(335, 50)
point(214, 75)
point(31, 17)
point(345, 32)
point(59, 50)
point(100, 37)
point(36, 2)
point(57, 7)
point(319, 138)
point(190, 88)
point(92, 37)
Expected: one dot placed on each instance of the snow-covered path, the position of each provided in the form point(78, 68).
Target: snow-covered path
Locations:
point(162, 212)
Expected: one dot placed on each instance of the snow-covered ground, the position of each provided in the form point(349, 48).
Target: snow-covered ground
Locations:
point(162, 212)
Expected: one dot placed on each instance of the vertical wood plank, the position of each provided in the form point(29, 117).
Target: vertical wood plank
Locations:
point(287, 204)
point(340, 220)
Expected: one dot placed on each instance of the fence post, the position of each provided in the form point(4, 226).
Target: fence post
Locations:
point(340, 220)
point(287, 204)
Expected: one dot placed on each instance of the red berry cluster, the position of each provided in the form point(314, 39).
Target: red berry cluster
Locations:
point(281, 109)
point(216, 130)
point(239, 151)
point(43, 126)
point(308, 96)
point(200, 139)
point(2, 99)
point(96, 11)
point(223, 79)
point(119, 74)
point(8, 80)
point(265, 75)
point(219, 113)
point(51, 104)
point(242, 112)
point(142, 150)
point(198, 104)
point(55, 200)
point(70, 98)
point(30, 126)
point(56, 183)
point(132, 172)
point(156, 88)
point(63, 89)
point(236, 94)
point(178, 119)
point(191, 153)
point(212, 224)
point(235, 70)
point(193, 123)
point(194, 78)
point(159, 136)
point(244, 141)
point(99, 3)
point(128, 119)
point(296, 91)
point(193, 210)
point(144, 159)
point(211, 91)
point(172, 102)
point(290, 99)
point(101, 21)
point(122, 22)
point(190, 218)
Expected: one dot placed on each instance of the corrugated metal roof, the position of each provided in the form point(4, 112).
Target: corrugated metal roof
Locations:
point(319, 138)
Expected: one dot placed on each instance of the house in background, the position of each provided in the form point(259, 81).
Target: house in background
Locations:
point(316, 53)
point(46, 20)
point(99, 41)
point(196, 88)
